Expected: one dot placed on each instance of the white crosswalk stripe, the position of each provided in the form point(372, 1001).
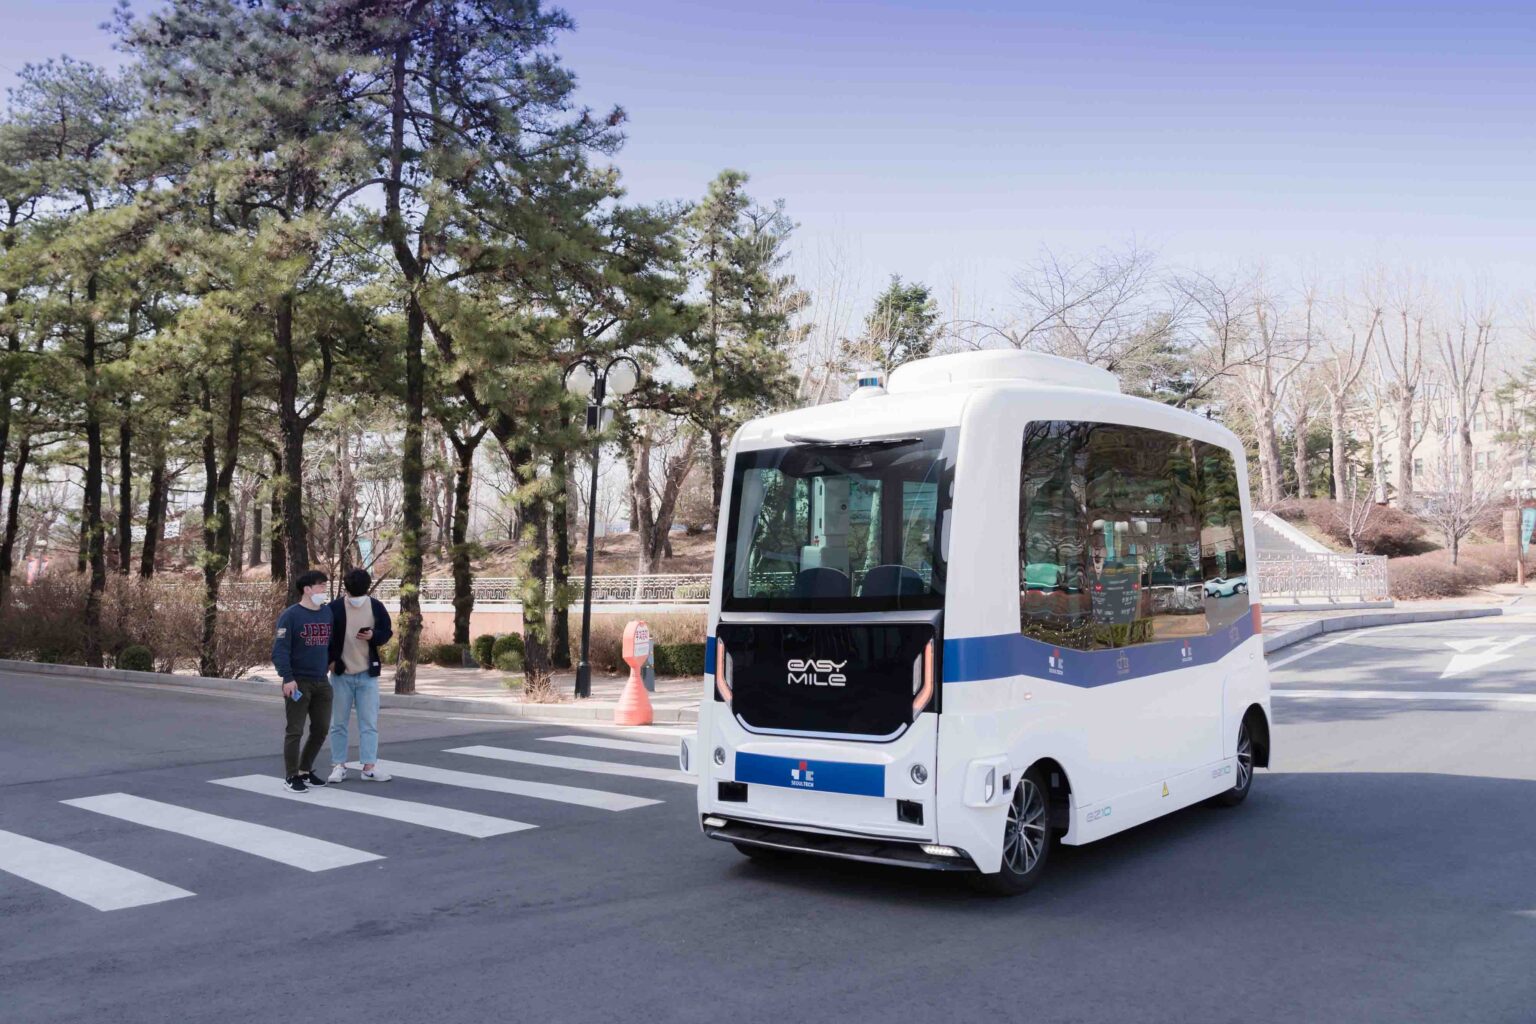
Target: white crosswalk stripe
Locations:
point(258, 840)
point(96, 883)
point(631, 746)
point(600, 799)
point(577, 764)
point(446, 819)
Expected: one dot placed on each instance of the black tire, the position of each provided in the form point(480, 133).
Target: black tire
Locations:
point(1026, 838)
point(1239, 791)
point(1241, 588)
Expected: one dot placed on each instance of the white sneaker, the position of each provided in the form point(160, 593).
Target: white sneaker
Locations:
point(338, 773)
point(377, 775)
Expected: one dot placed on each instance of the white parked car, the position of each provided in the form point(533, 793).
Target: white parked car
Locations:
point(1222, 587)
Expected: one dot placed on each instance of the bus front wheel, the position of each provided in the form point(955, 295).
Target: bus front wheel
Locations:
point(1239, 791)
point(1026, 838)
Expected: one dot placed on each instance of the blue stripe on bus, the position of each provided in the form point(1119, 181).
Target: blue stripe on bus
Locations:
point(973, 659)
point(817, 776)
point(709, 655)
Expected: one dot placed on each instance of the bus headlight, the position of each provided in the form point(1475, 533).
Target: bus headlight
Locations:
point(919, 774)
point(922, 680)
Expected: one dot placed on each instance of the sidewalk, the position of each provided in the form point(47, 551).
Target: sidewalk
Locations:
point(1283, 628)
point(676, 701)
point(486, 692)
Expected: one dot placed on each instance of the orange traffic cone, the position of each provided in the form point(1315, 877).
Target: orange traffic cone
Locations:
point(634, 707)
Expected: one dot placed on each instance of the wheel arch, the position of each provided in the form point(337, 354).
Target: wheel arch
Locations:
point(1258, 726)
point(1060, 785)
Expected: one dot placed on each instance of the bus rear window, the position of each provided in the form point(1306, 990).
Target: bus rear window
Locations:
point(840, 526)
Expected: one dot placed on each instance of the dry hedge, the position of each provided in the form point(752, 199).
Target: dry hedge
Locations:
point(1421, 577)
point(41, 622)
point(608, 636)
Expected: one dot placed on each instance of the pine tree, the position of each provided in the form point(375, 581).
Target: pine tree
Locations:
point(738, 352)
point(902, 326)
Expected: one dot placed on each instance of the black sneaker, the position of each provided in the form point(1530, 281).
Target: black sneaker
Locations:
point(296, 783)
point(312, 779)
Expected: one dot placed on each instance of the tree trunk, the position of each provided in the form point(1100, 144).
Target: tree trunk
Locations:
point(560, 637)
point(125, 495)
point(154, 512)
point(237, 536)
point(1299, 464)
point(218, 527)
point(1338, 439)
point(13, 517)
point(1405, 448)
point(536, 587)
point(411, 472)
point(1468, 484)
point(258, 536)
point(279, 554)
point(463, 579)
point(93, 528)
point(716, 468)
point(294, 427)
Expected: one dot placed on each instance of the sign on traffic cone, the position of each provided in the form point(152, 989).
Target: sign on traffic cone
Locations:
point(634, 707)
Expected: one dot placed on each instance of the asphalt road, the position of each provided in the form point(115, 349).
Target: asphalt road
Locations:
point(1381, 871)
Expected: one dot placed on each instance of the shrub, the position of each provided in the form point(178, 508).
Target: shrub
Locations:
point(505, 643)
point(1422, 577)
point(41, 621)
point(508, 661)
point(607, 653)
point(136, 658)
point(1390, 531)
point(389, 654)
point(680, 659)
point(448, 655)
point(485, 650)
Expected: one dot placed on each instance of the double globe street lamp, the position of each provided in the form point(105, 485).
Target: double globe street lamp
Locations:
point(584, 380)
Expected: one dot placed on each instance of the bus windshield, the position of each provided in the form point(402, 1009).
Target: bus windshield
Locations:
point(837, 526)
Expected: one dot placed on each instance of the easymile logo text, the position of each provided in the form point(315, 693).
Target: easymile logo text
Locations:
point(816, 672)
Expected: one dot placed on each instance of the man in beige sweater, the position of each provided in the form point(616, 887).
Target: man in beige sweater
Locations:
point(361, 627)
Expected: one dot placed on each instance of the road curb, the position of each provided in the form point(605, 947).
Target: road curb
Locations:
point(1339, 623)
point(602, 712)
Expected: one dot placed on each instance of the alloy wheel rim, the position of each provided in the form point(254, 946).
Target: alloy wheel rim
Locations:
point(1244, 758)
point(1024, 838)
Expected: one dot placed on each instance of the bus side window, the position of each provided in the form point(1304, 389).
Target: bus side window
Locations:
point(1110, 536)
point(1223, 559)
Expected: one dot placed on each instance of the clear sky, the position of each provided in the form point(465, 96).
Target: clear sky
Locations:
point(949, 142)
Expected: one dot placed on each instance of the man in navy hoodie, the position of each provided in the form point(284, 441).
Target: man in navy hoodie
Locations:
point(361, 626)
point(301, 654)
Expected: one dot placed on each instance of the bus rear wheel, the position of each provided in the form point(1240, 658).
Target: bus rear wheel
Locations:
point(1244, 782)
point(1026, 838)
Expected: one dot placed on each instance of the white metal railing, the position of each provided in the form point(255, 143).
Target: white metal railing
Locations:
point(1316, 577)
point(675, 588)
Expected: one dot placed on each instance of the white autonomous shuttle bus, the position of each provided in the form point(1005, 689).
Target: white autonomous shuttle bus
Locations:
point(953, 619)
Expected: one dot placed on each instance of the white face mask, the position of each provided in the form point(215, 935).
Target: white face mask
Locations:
point(356, 602)
point(317, 599)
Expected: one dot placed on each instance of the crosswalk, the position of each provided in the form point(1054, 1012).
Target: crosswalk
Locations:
point(102, 885)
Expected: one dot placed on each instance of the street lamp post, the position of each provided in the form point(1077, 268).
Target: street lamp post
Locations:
point(1520, 491)
point(584, 380)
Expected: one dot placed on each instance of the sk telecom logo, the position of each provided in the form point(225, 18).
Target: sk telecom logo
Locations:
point(1123, 664)
point(802, 777)
point(1232, 634)
point(1058, 665)
point(1186, 653)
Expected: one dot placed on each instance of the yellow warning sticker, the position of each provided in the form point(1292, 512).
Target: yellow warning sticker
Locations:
point(1165, 789)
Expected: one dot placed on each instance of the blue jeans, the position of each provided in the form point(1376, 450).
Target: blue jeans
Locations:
point(361, 690)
